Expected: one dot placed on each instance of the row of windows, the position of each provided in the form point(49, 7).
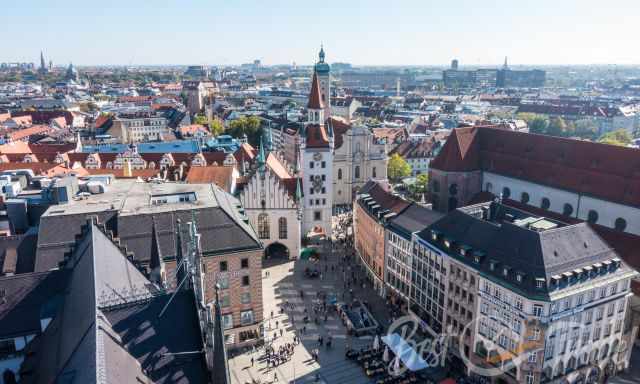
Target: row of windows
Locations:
point(246, 318)
point(620, 223)
point(356, 172)
point(313, 163)
point(223, 281)
point(264, 230)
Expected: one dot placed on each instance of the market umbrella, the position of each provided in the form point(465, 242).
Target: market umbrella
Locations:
point(376, 343)
point(385, 355)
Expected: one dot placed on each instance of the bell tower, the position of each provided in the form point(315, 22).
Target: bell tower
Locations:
point(323, 70)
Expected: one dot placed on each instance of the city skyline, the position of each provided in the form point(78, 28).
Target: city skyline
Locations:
point(361, 33)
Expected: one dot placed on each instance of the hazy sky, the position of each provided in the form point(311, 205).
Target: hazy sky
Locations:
point(392, 32)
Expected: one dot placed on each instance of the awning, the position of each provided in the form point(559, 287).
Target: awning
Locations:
point(410, 358)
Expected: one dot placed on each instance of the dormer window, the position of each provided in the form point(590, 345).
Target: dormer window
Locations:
point(540, 283)
point(434, 235)
point(477, 256)
point(519, 277)
point(505, 271)
point(492, 265)
point(464, 249)
point(447, 243)
point(568, 276)
point(616, 263)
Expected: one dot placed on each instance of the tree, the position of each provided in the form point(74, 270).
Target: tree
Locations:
point(216, 127)
point(419, 187)
point(246, 125)
point(557, 127)
point(538, 125)
point(621, 137)
point(422, 183)
point(200, 120)
point(397, 168)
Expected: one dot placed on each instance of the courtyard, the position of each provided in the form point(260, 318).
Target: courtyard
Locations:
point(283, 282)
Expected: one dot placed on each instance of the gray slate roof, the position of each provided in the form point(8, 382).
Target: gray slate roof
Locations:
point(27, 298)
point(107, 329)
point(536, 254)
point(412, 219)
point(127, 212)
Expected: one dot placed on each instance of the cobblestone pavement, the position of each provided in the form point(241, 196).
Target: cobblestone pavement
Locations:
point(282, 283)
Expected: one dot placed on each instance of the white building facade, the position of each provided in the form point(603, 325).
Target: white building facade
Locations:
point(358, 159)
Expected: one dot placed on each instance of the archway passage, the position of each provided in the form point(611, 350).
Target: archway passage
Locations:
point(276, 251)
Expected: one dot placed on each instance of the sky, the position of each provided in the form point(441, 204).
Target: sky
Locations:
point(361, 32)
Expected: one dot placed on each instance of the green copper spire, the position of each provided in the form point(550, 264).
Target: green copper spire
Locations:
point(261, 157)
point(298, 190)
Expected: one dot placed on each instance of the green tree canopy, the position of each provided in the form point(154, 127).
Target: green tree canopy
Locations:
point(216, 127)
point(620, 137)
point(397, 168)
point(246, 125)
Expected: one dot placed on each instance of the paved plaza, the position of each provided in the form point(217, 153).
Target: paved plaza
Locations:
point(282, 282)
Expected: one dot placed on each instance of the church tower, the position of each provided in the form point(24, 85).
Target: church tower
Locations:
point(316, 154)
point(324, 76)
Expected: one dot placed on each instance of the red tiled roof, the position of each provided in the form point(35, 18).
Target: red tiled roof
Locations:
point(28, 132)
point(382, 196)
point(277, 167)
point(45, 117)
point(245, 151)
point(316, 136)
point(413, 149)
point(604, 171)
point(458, 154)
point(52, 148)
point(217, 156)
point(102, 119)
point(315, 99)
point(221, 176)
point(190, 130)
point(119, 173)
point(340, 127)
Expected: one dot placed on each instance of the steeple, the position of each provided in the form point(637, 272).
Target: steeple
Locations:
point(321, 54)
point(269, 141)
point(261, 157)
point(43, 65)
point(78, 143)
point(315, 98)
point(505, 66)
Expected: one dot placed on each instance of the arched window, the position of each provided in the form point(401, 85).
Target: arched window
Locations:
point(592, 216)
point(620, 224)
point(453, 189)
point(373, 172)
point(263, 226)
point(524, 198)
point(357, 172)
point(506, 192)
point(567, 210)
point(545, 203)
point(282, 227)
point(339, 174)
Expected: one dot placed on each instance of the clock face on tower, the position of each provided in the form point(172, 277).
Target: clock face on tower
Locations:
point(317, 156)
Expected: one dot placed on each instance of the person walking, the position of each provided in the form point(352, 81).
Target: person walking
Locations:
point(275, 376)
point(252, 361)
